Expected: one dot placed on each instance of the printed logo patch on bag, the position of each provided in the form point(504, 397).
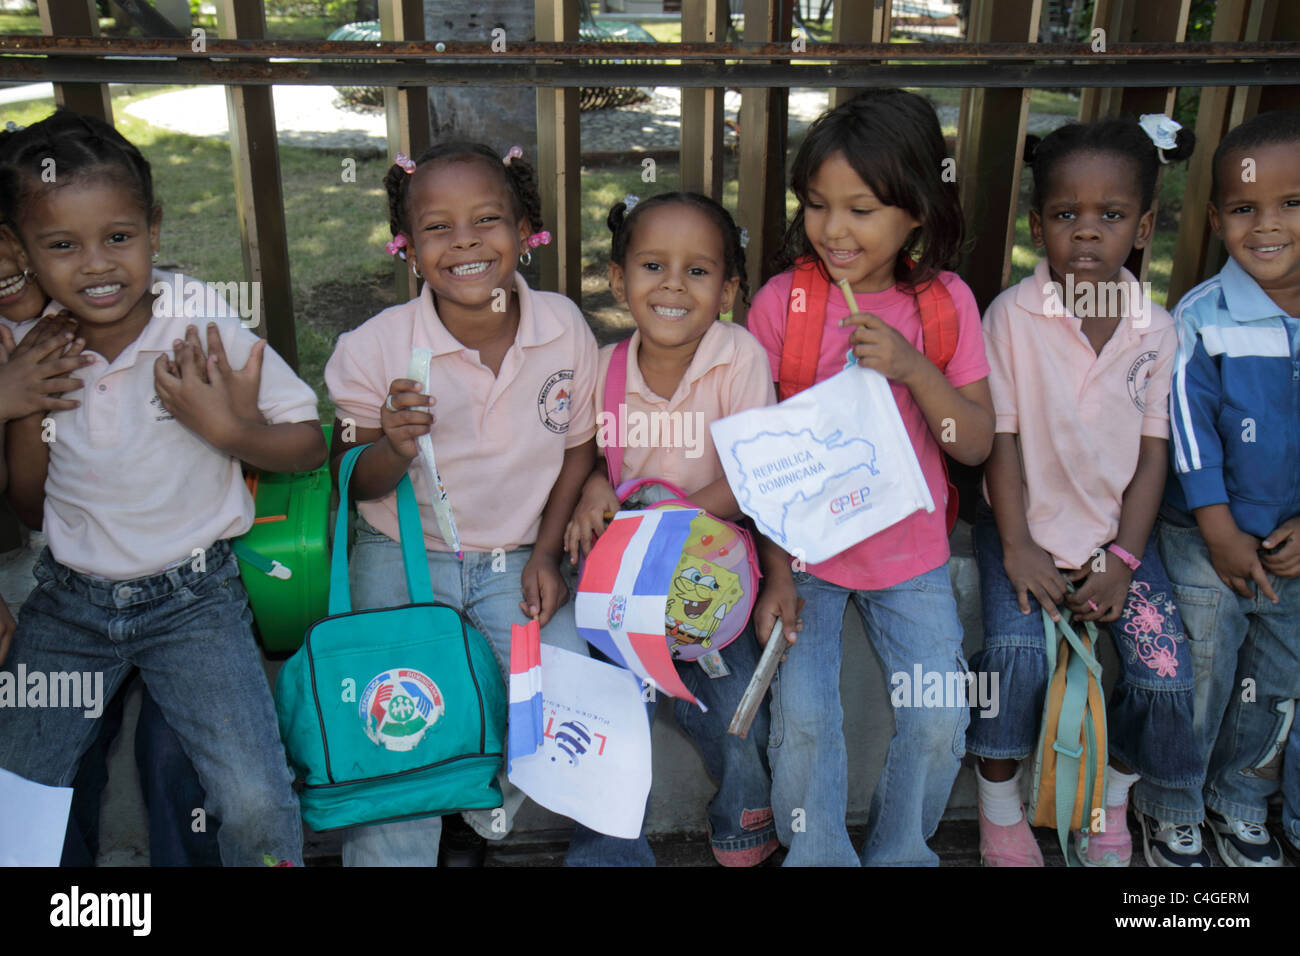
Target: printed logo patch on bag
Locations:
point(399, 706)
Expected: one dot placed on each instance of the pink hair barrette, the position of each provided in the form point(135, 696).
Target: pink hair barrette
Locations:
point(401, 159)
point(542, 238)
point(395, 245)
point(514, 153)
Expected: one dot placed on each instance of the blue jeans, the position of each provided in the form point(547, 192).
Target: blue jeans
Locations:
point(486, 587)
point(189, 633)
point(911, 624)
point(170, 787)
point(740, 814)
point(1149, 713)
point(1232, 639)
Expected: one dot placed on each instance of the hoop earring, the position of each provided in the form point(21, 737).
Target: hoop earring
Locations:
point(28, 274)
point(526, 259)
point(415, 269)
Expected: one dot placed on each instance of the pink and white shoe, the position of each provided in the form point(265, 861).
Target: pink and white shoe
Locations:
point(1012, 845)
point(1113, 846)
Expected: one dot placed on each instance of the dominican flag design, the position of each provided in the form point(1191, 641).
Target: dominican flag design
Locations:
point(525, 718)
point(624, 593)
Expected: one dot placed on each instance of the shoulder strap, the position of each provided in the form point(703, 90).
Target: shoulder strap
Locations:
point(1075, 740)
point(939, 327)
point(418, 583)
point(614, 400)
point(803, 328)
point(938, 322)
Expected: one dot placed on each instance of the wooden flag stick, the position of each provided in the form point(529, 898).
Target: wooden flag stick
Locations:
point(758, 684)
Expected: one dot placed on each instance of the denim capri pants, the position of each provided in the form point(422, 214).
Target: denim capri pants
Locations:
point(1149, 711)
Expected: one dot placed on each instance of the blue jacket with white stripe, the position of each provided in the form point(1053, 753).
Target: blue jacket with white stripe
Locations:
point(1235, 404)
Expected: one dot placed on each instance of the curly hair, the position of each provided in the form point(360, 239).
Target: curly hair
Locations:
point(517, 176)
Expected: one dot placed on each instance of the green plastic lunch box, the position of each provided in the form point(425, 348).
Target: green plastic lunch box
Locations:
point(284, 558)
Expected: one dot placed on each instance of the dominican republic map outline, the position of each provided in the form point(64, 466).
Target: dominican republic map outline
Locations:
point(828, 445)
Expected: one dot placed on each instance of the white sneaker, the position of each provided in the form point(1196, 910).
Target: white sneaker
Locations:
point(1241, 843)
point(1172, 844)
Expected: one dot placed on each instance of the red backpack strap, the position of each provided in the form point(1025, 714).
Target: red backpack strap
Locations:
point(614, 401)
point(803, 328)
point(939, 327)
point(939, 323)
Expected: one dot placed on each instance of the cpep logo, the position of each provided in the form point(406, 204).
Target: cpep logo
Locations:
point(854, 499)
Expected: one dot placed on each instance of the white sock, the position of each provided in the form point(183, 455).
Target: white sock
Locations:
point(1000, 800)
point(1118, 786)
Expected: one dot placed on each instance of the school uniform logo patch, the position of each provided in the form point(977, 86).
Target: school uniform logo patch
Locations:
point(555, 400)
point(1139, 374)
point(160, 414)
point(399, 706)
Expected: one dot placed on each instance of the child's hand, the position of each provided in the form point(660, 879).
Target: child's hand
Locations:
point(34, 373)
point(244, 384)
point(1103, 594)
point(878, 345)
point(1285, 561)
point(196, 394)
point(403, 418)
point(544, 590)
point(1032, 571)
point(778, 599)
point(1235, 556)
point(7, 628)
point(597, 501)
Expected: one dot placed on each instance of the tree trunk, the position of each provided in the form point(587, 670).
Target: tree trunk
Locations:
point(501, 116)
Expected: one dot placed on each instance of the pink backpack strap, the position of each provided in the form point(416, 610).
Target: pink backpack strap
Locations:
point(614, 401)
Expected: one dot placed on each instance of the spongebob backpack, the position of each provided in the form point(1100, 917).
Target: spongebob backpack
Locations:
point(715, 583)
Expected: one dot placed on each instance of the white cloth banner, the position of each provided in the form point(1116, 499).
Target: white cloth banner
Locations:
point(594, 762)
point(33, 821)
point(825, 469)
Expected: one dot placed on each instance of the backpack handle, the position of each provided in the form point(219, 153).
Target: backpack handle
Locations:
point(418, 583)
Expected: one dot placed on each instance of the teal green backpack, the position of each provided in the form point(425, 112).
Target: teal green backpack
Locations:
point(391, 713)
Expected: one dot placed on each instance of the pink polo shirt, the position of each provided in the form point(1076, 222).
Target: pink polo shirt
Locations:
point(669, 438)
point(918, 543)
point(1080, 416)
point(130, 490)
point(499, 439)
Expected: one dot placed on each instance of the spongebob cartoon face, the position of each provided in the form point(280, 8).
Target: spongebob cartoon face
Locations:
point(699, 596)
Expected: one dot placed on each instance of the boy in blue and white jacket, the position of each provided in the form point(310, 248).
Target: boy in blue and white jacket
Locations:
point(1229, 532)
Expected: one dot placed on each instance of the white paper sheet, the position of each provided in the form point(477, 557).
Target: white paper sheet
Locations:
point(33, 821)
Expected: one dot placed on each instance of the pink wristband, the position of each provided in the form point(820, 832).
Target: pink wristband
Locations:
point(1124, 556)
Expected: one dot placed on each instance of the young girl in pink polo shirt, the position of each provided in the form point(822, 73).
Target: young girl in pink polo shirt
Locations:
point(677, 263)
point(872, 198)
point(510, 414)
point(1081, 361)
point(138, 489)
